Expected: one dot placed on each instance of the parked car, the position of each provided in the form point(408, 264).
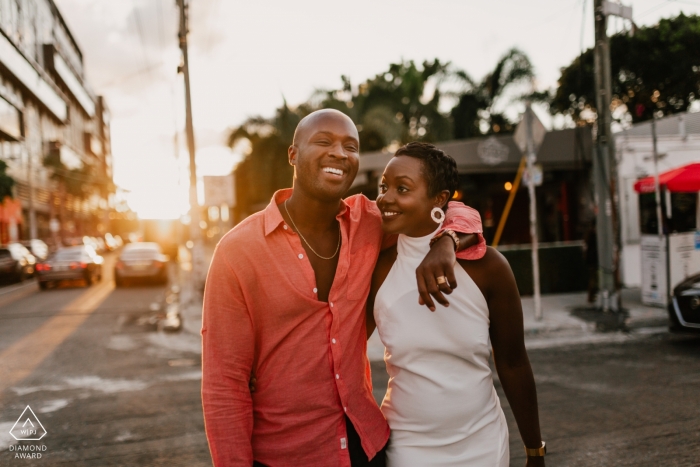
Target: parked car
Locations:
point(37, 248)
point(684, 309)
point(68, 264)
point(143, 260)
point(16, 262)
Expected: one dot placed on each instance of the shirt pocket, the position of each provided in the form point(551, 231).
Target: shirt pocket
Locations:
point(359, 279)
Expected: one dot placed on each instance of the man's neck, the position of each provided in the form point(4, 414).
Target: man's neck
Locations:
point(310, 213)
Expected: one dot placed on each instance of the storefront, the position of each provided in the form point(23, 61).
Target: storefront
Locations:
point(671, 253)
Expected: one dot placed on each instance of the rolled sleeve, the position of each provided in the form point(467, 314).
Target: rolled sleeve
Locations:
point(227, 362)
point(463, 219)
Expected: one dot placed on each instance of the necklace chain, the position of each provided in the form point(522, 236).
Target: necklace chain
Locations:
point(337, 249)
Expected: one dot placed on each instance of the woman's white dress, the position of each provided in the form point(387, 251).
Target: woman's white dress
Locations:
point(441, 404)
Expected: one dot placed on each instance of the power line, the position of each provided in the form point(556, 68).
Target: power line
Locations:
point(654, 8)
point(125, 78)
point(139, 29)
point(159, 12)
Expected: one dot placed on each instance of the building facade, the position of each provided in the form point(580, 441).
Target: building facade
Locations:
point(54, 130)
point(565, 203)
point(678, 144)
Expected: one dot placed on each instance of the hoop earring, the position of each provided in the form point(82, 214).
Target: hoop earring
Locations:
point(438, 215)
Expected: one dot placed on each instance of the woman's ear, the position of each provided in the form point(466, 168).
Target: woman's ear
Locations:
point(442, 198)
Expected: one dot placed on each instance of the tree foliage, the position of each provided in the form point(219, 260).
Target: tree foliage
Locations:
point(77, 182)
point(431, 102)
point(7, 183)
point(657, 70)
point(478, 104)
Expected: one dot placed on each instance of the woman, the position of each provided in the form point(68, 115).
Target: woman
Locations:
point(441, 404)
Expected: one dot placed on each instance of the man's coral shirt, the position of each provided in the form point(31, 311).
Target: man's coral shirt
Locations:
point(262, 318)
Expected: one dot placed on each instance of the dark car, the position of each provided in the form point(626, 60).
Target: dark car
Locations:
point(141, 261)
point(80, 263)
point(16, 262)
point(684, 309)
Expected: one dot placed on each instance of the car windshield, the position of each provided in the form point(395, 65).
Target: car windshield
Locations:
point(138, 253)
point(141, 250)
point(70, 255)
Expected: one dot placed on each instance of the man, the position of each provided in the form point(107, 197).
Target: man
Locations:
point(285, 304)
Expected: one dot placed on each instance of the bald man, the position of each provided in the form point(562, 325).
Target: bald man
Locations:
point(284, 305)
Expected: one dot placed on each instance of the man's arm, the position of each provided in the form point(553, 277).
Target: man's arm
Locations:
point(227, 361)
point(466, 222)
point(440, 261)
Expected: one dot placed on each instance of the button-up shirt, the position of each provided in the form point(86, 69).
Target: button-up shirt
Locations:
point(262, 318)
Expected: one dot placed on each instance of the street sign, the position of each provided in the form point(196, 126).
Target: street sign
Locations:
point(537, 175)
point(617, 9)
point(538, 132)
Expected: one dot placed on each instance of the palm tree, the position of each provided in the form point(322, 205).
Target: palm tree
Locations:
point(480, 104)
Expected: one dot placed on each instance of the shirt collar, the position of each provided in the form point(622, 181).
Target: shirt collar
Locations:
point(273, 217)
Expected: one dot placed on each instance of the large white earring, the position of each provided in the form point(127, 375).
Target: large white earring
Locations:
point(438, 215)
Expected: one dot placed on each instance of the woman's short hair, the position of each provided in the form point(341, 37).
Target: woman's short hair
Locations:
point(439, 169)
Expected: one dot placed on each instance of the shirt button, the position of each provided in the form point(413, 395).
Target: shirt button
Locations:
point(333, 340)
point(315, 290)
point(301, 256)
point(284, 227)
point(331, 304)
point(345, 409)
point(337, 376)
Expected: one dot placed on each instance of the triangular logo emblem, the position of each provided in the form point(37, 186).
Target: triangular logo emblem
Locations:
point(28, 427)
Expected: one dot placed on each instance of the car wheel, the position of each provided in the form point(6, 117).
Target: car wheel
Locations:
point(88, 279)
point(118, 282)
point(43, 285)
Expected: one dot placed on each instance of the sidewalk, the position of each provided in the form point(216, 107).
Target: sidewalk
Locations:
point(567, 319)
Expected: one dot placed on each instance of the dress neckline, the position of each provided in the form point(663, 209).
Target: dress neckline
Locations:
point(415, 247)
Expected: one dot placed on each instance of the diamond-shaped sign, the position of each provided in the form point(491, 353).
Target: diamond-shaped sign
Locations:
point(28, 427)
point(538, 131)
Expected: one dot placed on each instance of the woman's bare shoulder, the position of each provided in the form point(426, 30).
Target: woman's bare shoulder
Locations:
point(489, 271)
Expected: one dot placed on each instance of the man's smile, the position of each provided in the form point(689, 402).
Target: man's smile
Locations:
point(334, 171)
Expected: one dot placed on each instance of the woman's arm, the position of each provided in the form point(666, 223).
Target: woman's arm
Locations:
point(510, 356)
point(381, 270)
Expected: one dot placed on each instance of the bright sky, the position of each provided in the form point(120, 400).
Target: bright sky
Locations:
point(246, 56)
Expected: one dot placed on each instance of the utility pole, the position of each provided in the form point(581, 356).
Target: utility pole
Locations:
point(195, 229)
point(604, 163)
point(529, 136)
point(531, 155)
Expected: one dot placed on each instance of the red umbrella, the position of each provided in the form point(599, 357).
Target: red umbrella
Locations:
point(685, 179)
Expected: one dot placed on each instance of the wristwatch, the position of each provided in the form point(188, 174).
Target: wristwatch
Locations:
point(539, 452)
point(449, 232)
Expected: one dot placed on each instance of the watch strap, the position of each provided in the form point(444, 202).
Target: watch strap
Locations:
point(539, 452)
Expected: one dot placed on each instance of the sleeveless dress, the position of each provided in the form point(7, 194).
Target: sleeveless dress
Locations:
point(441, 404)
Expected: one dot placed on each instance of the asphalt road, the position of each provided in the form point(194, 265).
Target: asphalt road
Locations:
point(111, 390)
point(108, 388)
point(607, 405)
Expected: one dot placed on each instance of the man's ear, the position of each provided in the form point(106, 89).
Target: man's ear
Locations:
point(292, 154)
point(442, 198)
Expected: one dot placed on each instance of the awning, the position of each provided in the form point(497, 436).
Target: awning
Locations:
point(682, 179)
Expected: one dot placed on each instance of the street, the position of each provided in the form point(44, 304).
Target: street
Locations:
point(110, 389)
point(107, 387)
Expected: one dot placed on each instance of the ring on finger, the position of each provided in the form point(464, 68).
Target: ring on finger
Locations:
point(441, 280)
